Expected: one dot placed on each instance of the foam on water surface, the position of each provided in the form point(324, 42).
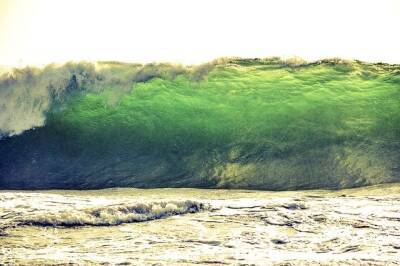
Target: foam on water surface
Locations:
point(216, 227)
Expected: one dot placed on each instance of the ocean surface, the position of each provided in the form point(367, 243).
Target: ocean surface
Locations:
point(200, 227)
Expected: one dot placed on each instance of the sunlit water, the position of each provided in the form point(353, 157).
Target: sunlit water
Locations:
point(207, 227)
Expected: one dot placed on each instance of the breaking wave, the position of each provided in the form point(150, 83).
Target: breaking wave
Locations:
point(113, 215)
point(259, 124)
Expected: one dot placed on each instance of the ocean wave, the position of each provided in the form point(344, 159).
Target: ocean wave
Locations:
point(247, 124)
point(28, 95)
point(113, 214)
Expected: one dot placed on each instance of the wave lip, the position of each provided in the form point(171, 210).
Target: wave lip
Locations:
point(114, 214)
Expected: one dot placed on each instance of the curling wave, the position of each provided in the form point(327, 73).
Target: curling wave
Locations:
point(258, 124)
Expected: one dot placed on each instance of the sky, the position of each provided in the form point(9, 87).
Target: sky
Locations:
point(37, 32)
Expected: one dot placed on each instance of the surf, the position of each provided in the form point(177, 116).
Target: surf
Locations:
point(232, 123)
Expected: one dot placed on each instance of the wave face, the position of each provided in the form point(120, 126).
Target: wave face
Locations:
point(260, 124)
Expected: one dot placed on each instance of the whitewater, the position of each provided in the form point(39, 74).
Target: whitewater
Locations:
point(111, 163)
point(197, 226)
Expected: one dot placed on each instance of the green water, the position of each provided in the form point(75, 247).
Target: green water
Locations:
point(244, 124)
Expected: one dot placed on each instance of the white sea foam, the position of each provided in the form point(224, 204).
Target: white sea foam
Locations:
point(347, 227)
point(112, 214)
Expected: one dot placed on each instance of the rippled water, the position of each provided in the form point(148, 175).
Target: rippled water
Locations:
point(191, 226)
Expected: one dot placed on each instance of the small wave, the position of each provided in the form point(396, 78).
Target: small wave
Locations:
point(114, 214)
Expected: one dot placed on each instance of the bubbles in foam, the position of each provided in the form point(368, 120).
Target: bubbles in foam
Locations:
point(114, 214)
